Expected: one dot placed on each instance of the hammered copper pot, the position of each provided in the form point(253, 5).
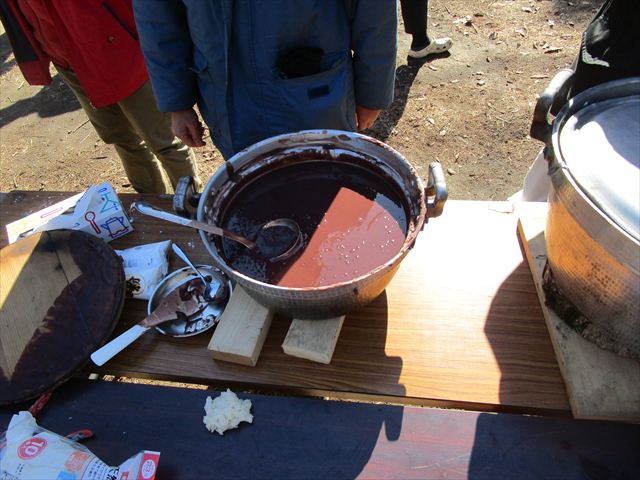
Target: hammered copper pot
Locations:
point(592, 232)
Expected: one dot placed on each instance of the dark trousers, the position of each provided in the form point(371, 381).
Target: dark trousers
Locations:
point(414, 15)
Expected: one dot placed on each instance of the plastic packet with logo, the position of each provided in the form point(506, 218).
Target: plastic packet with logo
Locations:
point(28, 452)
point(144, 267)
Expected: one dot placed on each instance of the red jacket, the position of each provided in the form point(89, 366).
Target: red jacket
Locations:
point(100, 42)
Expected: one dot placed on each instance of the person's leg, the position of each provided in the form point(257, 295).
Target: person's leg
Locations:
point(141, 167)
point(154, 127)
point(414, 16)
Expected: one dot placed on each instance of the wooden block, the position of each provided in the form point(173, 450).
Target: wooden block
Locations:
point(599, 383)
point(242, 329)
point(313, 339)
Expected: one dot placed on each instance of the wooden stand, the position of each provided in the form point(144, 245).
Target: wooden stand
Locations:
point(244, 324)
point(600, 384)
point(313, 339)
point(242, 329)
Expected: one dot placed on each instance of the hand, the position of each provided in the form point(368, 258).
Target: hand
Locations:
point(187, 127)
point(365, 117)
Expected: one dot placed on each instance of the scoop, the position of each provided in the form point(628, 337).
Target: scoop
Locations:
point(276, 240)
point(185, 300)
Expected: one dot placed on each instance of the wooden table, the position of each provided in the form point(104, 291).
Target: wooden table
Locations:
point(459, 326)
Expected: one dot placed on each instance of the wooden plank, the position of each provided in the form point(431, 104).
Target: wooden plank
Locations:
point(242, 329)
point(600, 384)
point(459, 325)
point(294, 437)
point(313, 339)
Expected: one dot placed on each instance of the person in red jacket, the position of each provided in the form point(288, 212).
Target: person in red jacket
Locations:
point(94, 47)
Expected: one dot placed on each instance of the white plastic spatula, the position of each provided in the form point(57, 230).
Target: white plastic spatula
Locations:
point(187, 299)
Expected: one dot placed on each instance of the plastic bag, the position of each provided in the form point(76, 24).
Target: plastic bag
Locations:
point(28, 451)
point(144, 267)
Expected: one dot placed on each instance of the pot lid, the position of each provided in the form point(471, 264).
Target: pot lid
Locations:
point(600, 145)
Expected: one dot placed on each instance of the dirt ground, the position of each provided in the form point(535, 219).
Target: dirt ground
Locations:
point(470, 109)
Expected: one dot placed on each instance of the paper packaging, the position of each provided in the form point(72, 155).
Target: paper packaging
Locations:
point(144, 268)
point(97, 211)
point(28, 451)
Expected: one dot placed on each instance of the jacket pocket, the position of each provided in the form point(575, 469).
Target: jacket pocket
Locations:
point(322, 100)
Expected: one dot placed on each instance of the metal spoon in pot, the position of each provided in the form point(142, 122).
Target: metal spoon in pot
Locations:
point(276, 240)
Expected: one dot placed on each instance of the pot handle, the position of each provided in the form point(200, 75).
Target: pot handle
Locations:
point(553, 97)
point(436, 192)
point(185, 197)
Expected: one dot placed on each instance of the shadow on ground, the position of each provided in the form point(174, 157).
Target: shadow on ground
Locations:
point(405, 76)
point(52, 100)
point(5, 53)
point(577, 8)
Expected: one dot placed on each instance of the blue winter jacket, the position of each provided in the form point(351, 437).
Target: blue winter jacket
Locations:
point(224, 56)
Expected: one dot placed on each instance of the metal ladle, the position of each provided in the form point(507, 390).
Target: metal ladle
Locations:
point(267, 242)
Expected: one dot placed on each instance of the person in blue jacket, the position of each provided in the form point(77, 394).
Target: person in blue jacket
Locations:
point(256, 69)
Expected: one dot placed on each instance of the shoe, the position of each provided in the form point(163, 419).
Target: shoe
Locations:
point(439, 45)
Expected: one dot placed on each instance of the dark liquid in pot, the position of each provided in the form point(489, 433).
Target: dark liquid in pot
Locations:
point(352, 221)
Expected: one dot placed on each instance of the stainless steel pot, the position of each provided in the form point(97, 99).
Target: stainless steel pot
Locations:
point(593, 224)
point(326, 145)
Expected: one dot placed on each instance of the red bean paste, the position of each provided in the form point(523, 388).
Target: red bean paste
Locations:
point(352, 220)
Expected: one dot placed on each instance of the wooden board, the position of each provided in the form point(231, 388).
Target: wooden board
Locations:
point(61, 294)
point(305, 438)
point(241, 331)
point(314, 340)
point(600, 384)
point(460, 325)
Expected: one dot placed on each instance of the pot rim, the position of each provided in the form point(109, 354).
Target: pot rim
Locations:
point(560, 168)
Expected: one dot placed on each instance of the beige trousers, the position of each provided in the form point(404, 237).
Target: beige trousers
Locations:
point(142, 137)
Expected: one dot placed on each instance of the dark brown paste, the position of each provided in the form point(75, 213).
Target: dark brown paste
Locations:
point(352, 220)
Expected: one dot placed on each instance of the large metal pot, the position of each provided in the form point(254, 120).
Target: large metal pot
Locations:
point(592, 232)
point(334, 146)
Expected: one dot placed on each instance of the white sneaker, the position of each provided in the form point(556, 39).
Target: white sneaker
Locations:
point(438, 45)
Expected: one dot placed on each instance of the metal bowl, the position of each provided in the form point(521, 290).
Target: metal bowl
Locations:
point(198, 322)
point(327, 146)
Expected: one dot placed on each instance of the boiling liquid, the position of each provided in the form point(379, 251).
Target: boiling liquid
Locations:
point(352, 221)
